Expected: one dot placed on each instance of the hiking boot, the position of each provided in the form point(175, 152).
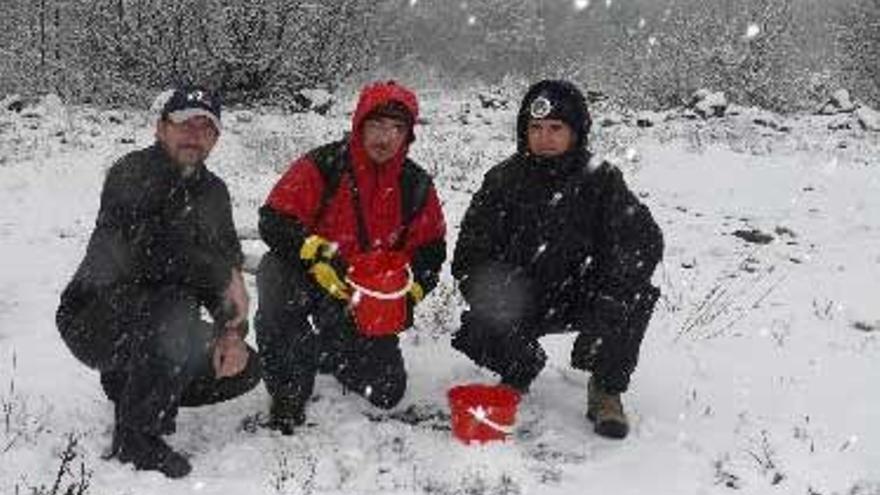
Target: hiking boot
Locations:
point(285, 415)
point(606, 412)
point(148, 453)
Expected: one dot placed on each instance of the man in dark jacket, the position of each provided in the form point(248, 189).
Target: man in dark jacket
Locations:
point(164, 247)
point(352, 196)
point(553, 242)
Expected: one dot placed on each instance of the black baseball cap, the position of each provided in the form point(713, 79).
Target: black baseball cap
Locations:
point(192, 101)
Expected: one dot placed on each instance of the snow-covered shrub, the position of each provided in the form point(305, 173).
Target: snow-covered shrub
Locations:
point(315, 100)
point(746, 50)
point(252, 50)
point(868, 118)
point(123, 51)
point(839, 102)
point(858, 35)
point(708, 104)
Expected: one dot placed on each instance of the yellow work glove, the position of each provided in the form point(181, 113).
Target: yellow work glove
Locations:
point(325, 275)
point(315, 247)
point(319, 254)
point(416, 292)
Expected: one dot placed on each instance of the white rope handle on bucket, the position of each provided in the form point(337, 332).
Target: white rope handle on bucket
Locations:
point(382, 295)
point(482, 416)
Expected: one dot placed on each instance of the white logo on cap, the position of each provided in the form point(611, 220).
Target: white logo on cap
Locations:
point(540, 107)
point(198, 95)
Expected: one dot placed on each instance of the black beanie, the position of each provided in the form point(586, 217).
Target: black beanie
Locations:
point(553, 99)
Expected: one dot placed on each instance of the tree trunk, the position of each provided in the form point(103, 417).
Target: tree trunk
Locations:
point(57, 32)
point(42, 34)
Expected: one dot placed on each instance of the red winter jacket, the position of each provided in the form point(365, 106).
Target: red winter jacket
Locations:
point(290, 210)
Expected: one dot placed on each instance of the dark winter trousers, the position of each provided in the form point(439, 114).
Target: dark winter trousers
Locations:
point(154, 353)
point(510, 347)
point(302, 331)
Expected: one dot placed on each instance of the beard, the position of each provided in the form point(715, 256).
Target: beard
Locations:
point(189, 158)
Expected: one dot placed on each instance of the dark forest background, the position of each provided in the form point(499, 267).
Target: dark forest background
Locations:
point(785, 55)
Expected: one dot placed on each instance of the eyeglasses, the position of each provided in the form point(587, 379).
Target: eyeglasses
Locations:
point(394, 128)
point(200, 126)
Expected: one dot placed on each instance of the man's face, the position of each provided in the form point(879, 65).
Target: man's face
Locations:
point(189, 142)
point(383, 137)
point(549, 137)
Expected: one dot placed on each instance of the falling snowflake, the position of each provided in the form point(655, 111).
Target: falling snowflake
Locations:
point(472, 20)
point(608, 3)
point(642, 22)
point(631, 153)
point(752, 31)
point(412, 3)
point(581, 4)
point(652, 40)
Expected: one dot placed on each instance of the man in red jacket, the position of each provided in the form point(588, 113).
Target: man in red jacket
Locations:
point(351, 196)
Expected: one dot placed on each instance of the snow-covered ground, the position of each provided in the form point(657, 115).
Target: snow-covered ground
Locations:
point(755, 375)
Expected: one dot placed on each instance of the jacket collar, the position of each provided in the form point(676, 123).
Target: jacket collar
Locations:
point(564, 165)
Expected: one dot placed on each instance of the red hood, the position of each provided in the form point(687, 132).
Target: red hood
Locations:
point(379, 93)
point(371, 97)
point(379, 184)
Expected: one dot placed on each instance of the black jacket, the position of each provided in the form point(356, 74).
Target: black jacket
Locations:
point(156, 227)
point(573, 235)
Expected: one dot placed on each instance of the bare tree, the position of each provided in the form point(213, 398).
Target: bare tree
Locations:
point(650, 53)
point(250, 50)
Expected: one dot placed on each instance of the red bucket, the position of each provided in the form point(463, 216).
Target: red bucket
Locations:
point(381, 280)
point(482, 412)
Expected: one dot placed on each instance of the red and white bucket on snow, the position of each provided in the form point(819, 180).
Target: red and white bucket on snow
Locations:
point(381, 281)
point(482, 413)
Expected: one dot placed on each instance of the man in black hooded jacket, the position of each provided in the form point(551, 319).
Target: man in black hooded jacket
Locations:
point(554, 242)
point(163, 249)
